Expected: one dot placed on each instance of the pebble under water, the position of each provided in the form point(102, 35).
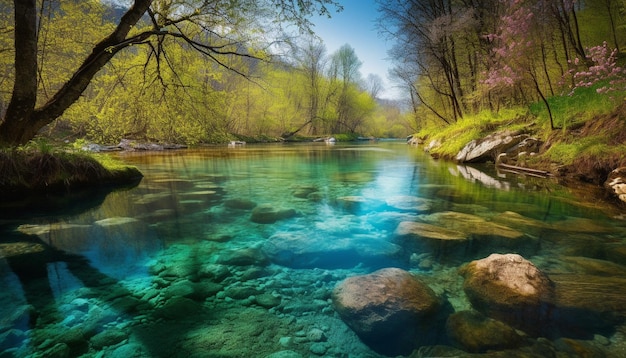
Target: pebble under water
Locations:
point(235, 252)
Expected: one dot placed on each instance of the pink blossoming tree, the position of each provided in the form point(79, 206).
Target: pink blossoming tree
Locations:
point(514, 52)
point(599, 67)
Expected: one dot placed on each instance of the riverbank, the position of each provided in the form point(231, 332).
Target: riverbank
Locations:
point(588, 151)
point(28, 172)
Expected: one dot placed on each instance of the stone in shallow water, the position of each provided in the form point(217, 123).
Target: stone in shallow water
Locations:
point(180, 288)
point(590, 266)
point(390, 309)
point(268, 300)
point(473, 332)
point(242, 257)
point(284, 354)
point(409, 203)
point(428, 231)
point(511, 289)
point(268, 214)
point(303, 191)
point(582, 225)
point(518, 220)
point(214, 272)
point(584, 303)
point(578, 348)
point(240, 293)
point(11, 338)
point(616, 253)
point(240, 204)
point(471, 224)
point(115, 221)
point(302, 249)
point(108, 337)
point(442, 243)
point(179, 308)
point(130, 350)
point(354, 203)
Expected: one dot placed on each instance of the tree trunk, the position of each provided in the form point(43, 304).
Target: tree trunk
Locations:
point(22, 121)
point(22, 104)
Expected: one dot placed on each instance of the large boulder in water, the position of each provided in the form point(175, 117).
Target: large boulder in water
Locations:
point(390, 309)
point(511, 289)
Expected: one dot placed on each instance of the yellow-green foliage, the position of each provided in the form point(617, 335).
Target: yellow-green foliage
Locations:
point(455, 136)
point(581, 106)
point(29, 169)
point(566, 153)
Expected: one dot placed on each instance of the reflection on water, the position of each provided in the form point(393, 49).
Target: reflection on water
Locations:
point(235, 252)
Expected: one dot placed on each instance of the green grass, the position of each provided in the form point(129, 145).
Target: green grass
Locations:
point(39, 167)
point(572, 110)
point(455, 136)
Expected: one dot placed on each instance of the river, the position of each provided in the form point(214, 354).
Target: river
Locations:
point(188, 263)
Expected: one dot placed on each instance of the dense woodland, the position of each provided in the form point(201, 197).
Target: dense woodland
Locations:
point(209, 71)
point(164, 89)
point(460, 58)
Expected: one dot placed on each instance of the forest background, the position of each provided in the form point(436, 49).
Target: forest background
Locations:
point(468, 63)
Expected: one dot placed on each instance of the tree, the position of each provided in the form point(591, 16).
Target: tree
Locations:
point(374, 85)
point(517, 48)
point(210, 27)
point(438, 48)
point(345, 71)
point(603, 70)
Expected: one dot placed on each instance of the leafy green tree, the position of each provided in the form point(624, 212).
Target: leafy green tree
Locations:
point(345, 72)
point(217, 29)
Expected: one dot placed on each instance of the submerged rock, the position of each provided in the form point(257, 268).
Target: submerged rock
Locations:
point(353, 203)
point(242, 257)
point(300, 250)
point(303, 191)
point(409, 203)
point(454, 235)
point(268, 214)
point(437, 240)
point(472, 224)
point(240, 204)
point(179, 308)
point(390, 309)
point(473, 332)
point(284, 354)
point(428, 231)
point(584, 303)
point(511, 289)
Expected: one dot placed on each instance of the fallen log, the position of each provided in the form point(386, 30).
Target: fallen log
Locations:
point(523, 170)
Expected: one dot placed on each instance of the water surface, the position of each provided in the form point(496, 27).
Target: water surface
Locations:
point(181, 265)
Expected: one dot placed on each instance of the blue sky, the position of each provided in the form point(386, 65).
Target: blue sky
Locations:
point(355, 25)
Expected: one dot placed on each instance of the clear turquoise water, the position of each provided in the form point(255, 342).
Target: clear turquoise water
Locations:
point(178, 265)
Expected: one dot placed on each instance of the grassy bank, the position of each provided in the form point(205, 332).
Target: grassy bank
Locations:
point(40, 168)
point(590, 140)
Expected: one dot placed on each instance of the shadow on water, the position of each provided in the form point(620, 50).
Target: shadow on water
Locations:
point(30, 260)
point(37, 272)
point(58, 203)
